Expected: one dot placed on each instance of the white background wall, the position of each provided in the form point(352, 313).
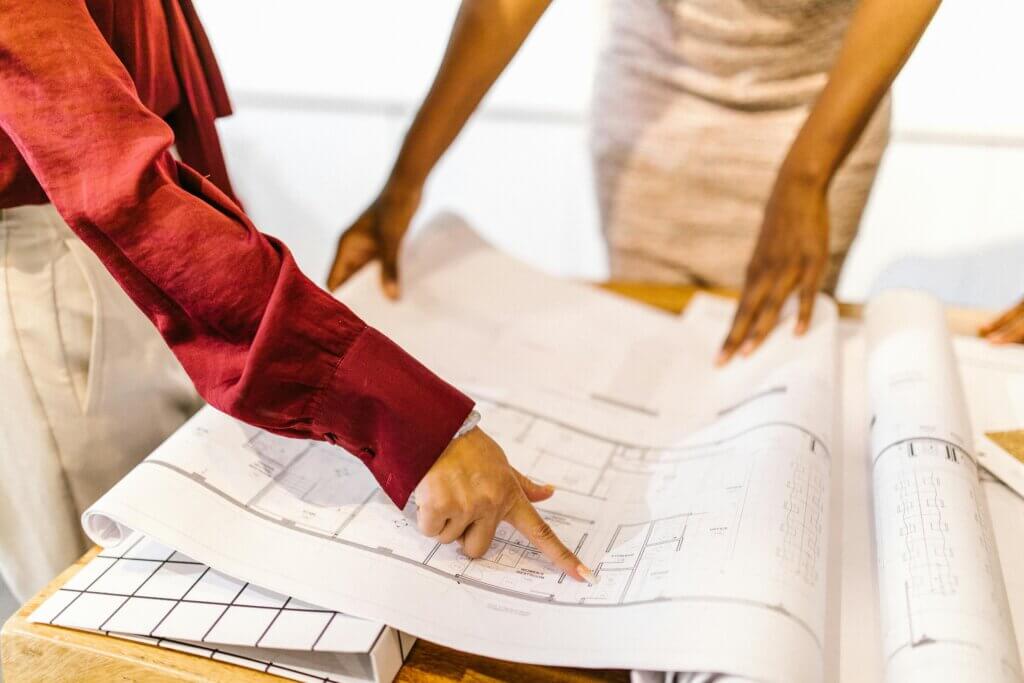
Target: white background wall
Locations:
point(324, 89)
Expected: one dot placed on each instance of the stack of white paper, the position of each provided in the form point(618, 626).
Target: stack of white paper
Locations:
point(142, 590)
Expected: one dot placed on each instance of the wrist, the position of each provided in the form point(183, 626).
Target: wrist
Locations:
point(401, 189)
point(811, 161)
point(805, 173)
point(470, 423)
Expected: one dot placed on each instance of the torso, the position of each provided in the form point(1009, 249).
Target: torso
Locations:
point(695, 106)
point(747, 53)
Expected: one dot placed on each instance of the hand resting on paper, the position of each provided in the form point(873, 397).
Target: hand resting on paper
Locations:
point(1007, 328)
point(790, 256)
point(472, 488)
point(376, 234)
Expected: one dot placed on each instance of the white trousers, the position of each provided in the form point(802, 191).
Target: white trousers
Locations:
point(87, 389)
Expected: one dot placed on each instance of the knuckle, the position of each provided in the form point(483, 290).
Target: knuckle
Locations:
point(473, 549)
point(478, 506)
point(544, 533)
point(491, 500)
point(426, 523)
point(432, 507)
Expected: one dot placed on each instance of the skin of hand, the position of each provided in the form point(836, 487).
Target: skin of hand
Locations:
point(1007, 328)
point(376, 234)
point(472, 488)
point(485, 37)
point(791, 251)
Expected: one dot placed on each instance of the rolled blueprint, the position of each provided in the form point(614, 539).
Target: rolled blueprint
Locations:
point(944, 610)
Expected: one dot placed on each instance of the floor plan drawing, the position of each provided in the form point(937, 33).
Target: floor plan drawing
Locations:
point(710, 509)
point(308, 487)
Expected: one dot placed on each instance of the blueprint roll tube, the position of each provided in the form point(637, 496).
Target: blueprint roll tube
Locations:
point(943, 605)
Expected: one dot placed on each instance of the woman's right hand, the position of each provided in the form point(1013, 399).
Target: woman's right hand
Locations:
point(376, 234)
point(472, 488)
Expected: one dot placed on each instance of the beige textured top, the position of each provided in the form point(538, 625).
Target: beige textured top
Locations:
point(695, 106)
point(743, 53)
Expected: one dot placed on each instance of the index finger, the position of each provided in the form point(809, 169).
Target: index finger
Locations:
point(750, 302)
point(525, 518)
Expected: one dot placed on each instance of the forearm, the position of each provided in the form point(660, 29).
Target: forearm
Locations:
point(880, 39)
point(259, 340)
point(486, 35)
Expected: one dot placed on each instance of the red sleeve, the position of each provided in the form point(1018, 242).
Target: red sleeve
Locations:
point(260, 340)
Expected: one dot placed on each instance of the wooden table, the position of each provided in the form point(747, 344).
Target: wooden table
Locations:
point(36, 652)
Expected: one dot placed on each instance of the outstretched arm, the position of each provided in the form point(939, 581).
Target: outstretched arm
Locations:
point(792, 249)
point(486, 35)
point(260, 341)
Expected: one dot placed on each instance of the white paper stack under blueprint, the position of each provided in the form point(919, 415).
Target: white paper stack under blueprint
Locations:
point(144, 591)
point(710, 502)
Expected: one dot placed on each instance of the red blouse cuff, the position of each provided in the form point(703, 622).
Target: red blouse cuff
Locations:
point(390, 411)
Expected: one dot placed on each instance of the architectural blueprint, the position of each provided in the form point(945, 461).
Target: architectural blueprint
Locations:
point(704, 512)
point(144, 591)
point(733, 527)
point(943, 604)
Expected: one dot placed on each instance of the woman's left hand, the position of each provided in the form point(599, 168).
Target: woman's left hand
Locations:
point(791, 255)
point(1007, 328)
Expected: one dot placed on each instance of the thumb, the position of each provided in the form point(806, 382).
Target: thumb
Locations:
point(389, 264)
point(534, 492)
point(349, 259)
point(356, 248)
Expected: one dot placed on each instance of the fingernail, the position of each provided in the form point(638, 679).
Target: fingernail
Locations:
point(747, 348)
point(721, 358)
point(801, 327)
point(391, 290)
point(549, 487)
point(586, 574)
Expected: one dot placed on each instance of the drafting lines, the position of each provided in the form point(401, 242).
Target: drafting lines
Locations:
point(589, 464)
point(311, 488)
point(925, 469)
point(939, 577)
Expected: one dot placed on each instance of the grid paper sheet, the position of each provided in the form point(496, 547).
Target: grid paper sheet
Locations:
point(145, 591)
